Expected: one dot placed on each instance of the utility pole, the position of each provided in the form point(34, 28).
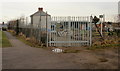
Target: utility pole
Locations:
point(26, 28)
point(17, 27)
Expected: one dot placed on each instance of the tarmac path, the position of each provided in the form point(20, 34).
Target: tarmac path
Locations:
point(22, 56)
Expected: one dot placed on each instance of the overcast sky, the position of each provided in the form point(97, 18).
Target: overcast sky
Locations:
point(13, 9)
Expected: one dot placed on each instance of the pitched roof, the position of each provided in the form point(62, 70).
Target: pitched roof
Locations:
point(38, 13)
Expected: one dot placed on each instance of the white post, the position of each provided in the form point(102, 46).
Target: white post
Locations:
point(90, 31)
point(69, 26)
point(103, 17)
point(101, 26)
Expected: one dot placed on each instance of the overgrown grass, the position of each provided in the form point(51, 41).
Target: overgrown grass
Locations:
point(22, 38)
point(93, 47)
point(112, 41)
point(28, 42)
point(4, 42)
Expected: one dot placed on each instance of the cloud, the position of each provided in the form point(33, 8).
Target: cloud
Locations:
point(16, 9)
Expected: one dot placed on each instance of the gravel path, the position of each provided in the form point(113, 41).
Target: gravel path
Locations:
point(22, 56)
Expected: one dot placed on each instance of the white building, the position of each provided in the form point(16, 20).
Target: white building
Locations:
point(40, 18)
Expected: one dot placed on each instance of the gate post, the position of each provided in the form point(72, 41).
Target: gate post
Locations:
point(90, 31)
point(69, 27)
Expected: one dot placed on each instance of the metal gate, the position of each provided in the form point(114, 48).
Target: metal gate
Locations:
point(70, 31)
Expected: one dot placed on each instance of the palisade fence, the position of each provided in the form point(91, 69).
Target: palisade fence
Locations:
point(70, 31)
point(61, 31)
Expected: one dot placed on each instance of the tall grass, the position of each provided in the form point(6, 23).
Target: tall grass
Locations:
point(5, 42)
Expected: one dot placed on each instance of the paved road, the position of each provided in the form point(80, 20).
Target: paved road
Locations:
point(22, 56)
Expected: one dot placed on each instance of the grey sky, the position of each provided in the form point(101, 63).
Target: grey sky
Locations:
point(12, 10)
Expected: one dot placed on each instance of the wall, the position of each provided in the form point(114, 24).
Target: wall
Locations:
point(36, 21)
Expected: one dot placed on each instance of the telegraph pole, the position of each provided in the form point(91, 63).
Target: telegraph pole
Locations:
point(17, 27)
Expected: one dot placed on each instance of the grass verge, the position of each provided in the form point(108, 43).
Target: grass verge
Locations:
point(28, 42)
point(4, 42)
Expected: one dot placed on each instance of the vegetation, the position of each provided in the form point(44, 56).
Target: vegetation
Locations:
point(4, 42)
point(32, 44)
point(29, 41)
point(107, 42)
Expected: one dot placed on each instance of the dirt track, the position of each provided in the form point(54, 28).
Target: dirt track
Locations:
point(22, 56)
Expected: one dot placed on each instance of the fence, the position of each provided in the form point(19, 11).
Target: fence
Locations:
point(62, 31)
point(32, 31)
point(29, 30)
point(70, 31)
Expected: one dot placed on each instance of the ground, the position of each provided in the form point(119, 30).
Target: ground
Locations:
point(22, 56)
point(98, 59)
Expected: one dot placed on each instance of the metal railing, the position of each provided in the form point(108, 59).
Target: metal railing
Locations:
point(70, 31)
point(60, 31)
